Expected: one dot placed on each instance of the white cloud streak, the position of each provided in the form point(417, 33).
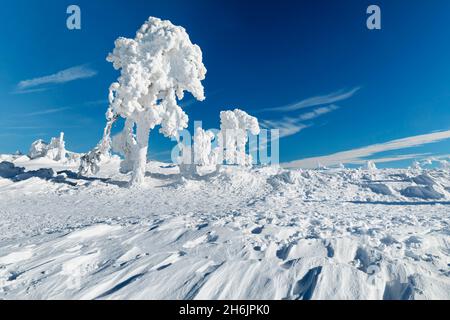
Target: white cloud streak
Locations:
point(291, 125)
point(317, 101)
point(46, 111)
point(358, 155)
point(63, 76)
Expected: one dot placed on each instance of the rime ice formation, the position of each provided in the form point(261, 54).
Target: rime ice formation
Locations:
point(55, 150)
point(233, 138)
point(38, 149)
point(90, 162)
point(200, 153)
point(124, 144)
point(203, 153)
point(416, 166)
point(444, 164)
point(370, 165)
point(231, 147)
point(156, 68)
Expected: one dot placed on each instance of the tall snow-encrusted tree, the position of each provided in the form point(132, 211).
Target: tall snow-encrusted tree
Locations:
point(156, 68)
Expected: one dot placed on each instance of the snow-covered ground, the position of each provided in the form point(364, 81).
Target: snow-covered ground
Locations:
point(262, 233)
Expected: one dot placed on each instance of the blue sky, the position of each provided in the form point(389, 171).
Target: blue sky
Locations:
point(311, 68)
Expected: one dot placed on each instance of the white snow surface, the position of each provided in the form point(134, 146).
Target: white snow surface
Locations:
point(241, 233)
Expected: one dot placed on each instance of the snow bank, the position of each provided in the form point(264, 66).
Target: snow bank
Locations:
point(423, 179)
point(426, 193)
point(8, 170)
point(380, 189)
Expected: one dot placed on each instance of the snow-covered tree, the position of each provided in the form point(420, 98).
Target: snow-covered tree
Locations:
point(124, 144)
point(370, 166)
point(156, 68)
point(320, 166)
point(234, 126)
point(203, 152)
point(444, 164)
point(416, 166)
point(90, 162)
point(55, 150)
point(38, 149)
point(199, 154)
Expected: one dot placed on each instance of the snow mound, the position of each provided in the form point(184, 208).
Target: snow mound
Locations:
point(380, 189)
point(426, 193)
point(44, 173)
point(423, 179)
point(8, 170)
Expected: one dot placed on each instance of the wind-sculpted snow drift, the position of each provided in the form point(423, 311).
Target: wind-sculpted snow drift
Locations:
point(261, 233)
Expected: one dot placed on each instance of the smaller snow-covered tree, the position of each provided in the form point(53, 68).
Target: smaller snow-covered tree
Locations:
point(416, 165)
point(232, 140)
point(444, 164)
point(203, 152)
point(38, 149)
point(370, 166)
point(55, 150)
point(199, 154)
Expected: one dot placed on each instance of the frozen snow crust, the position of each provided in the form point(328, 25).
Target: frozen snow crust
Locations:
point(261, 233)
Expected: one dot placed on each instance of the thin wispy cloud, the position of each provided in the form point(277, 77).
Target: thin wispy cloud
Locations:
point(291, 125)
point(46, 111)
point(326, 99)
point(22, 127)
point(287, 126)
point(23, 91)
point(359, 155)
point(318, 112)
point(63, 76)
